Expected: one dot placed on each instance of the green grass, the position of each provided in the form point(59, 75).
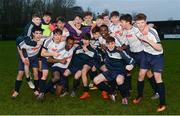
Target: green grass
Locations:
point(27, 104)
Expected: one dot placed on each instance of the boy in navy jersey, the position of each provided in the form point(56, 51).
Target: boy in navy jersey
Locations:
point(115, 62)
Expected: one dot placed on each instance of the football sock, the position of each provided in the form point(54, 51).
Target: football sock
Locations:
point(92, 74)
point(76, 83)
point(153, 84)
point(36, 84)
point(104, 87)
point(140, 88)
point(42, 85)
point(128, 82)
point(18, 85)
point(123, 90)
point(161, 91)
point(28, 79)
point(86, 88)
point(66, 84)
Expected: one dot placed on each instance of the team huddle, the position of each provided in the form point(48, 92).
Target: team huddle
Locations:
point(100, 53)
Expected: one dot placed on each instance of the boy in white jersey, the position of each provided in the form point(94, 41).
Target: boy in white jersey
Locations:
point(51, 48)
point(59, 66)
point(106, 20)
point(153, 59)
point(115, 27)
point(30, 53)
point(132, 35)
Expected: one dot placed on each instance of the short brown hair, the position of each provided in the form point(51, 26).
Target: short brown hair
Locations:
point(140, 16)
point(87, 13)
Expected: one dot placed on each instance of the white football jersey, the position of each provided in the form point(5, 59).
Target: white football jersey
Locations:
point(133, 37)
point(51, 46)
point(32, 50)
point(64, 54)
point(153, 36)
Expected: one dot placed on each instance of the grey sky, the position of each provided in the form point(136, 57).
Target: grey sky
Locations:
point(156, 10)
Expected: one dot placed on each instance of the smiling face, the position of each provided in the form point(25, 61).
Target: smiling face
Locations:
point(99, 22)
point(106, 20)
point(115, 19)
point(86, 42)
point(57, 37)
point(88, 18)
point(69, 44)
point(124, 24)
point(36, 20)
point(111, 46)
point(47, 19)
point(141, 24)
point(96, 35)
point(78, 20)
point(37, 35)
point(60, 24)
point(104, 32)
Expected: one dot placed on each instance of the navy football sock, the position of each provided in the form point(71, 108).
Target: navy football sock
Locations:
point(161, 91)
point(42, 86)
point(86, 88)
point(76, 83)
point(104, 87)
point(49, 86)
point(128, 82)
point(28, 79)
point(36, 84)
point(92, 74)
point(66, 85)
point(18, 85)
point(153, 84)
point(123, 90)
point(140, 88)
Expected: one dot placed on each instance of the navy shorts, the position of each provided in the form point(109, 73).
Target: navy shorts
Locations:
point(153, 62)
point(112, 75)
point(20, 64)
point(61, 71)
point(32, 60)
point(137, 57)
point(73, 69)
point(45, 64)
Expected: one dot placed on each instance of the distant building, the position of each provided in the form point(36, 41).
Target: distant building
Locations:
point(167, 29)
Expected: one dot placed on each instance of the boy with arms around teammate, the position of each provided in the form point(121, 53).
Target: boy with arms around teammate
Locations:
point(51, 47)
point(132, 35)
point(153, 59)
point(31, 53)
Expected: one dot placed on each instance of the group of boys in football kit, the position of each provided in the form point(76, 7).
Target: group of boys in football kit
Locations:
point(101, 54)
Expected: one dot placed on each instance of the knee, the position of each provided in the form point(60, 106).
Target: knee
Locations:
point(66, 73)
point(158, 78)
point(78, 75)
point(45, 75)
point(20, 75)
point(141, 76)
point(120, 81)
point(97, 80)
